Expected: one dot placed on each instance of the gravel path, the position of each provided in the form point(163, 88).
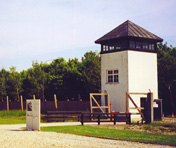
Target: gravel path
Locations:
point(11, 136)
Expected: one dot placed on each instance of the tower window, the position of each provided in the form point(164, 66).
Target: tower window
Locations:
point(151, 46)
point(107, 48)
point(112, 76)
point(132, 44)
point(104, 48)
point(145, 45)
point(139, 45)
point(111, 47)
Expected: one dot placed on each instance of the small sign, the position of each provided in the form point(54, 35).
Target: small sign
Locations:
point(33, 114)
point(155, 105)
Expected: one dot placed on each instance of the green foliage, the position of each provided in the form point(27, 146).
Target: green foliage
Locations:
point(15, 83)
point(167, 77)
point(114, 134)
point(72, 79)
point(3, 92)
point(92, 71)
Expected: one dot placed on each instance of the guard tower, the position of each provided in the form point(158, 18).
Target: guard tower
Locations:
point(128, 64)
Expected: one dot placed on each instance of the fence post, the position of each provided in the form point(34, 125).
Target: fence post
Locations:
point(7, 103)
point(21, 103)
point(128, 118)
point(99, 119)
point(82, 119)
point(55, 100)
point(115, 119)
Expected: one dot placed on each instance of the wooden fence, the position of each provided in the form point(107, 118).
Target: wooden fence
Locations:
point(48, 105)
point(88, 117)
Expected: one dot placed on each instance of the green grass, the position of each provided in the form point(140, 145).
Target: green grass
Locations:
point(160, 127)
point(163, 124)
point(15, 117)
point(15, 113)
point(12, 117)
point(114, 134)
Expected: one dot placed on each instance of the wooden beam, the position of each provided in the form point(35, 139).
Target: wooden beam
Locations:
point(135, 108)
point(55, 100)
point(135, 105)
point(91, 104)
point(21, 103)
point(98, 94)
point(127, 103)
point(7, 103)
point(101, 107)
point(108, 103)
point(135, 93)
point(97, 103)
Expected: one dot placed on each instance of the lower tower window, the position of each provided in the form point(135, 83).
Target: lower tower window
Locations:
point(112, 76)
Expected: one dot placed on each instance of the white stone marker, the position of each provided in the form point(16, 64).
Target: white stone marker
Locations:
point(33, 114)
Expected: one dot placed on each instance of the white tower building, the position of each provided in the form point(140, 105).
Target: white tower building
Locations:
point(128, 64)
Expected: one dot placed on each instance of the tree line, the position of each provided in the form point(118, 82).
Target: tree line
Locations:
point(74, 79)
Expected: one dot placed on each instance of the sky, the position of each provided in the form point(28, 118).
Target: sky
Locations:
point(42, 30)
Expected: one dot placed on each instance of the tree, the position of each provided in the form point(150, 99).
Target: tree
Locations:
point(33, 83)
point(3, 92)
point(73, 80)
point(16, 83)
point(91, 72)
point(54, 75)
point(167, 76)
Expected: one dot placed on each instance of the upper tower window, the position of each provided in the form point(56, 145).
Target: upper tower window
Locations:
point(132, 44)
point(104, 48)
point(151, 46)
point(145, 45)
point(111, 48)
point(139, 45)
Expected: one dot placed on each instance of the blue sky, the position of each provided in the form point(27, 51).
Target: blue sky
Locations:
point(40, 30)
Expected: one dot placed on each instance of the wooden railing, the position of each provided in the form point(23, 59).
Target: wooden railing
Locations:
point(88, 117)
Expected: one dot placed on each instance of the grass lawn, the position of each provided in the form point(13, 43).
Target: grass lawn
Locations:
point(12, 117)
point(12, 121)
point(114, 134)
point(15, 117)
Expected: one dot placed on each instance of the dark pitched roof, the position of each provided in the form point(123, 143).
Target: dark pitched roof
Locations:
point(128, 29)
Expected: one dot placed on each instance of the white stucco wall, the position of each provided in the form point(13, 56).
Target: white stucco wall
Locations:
point(142, 75)
point(117, 91)
point(137, 73)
